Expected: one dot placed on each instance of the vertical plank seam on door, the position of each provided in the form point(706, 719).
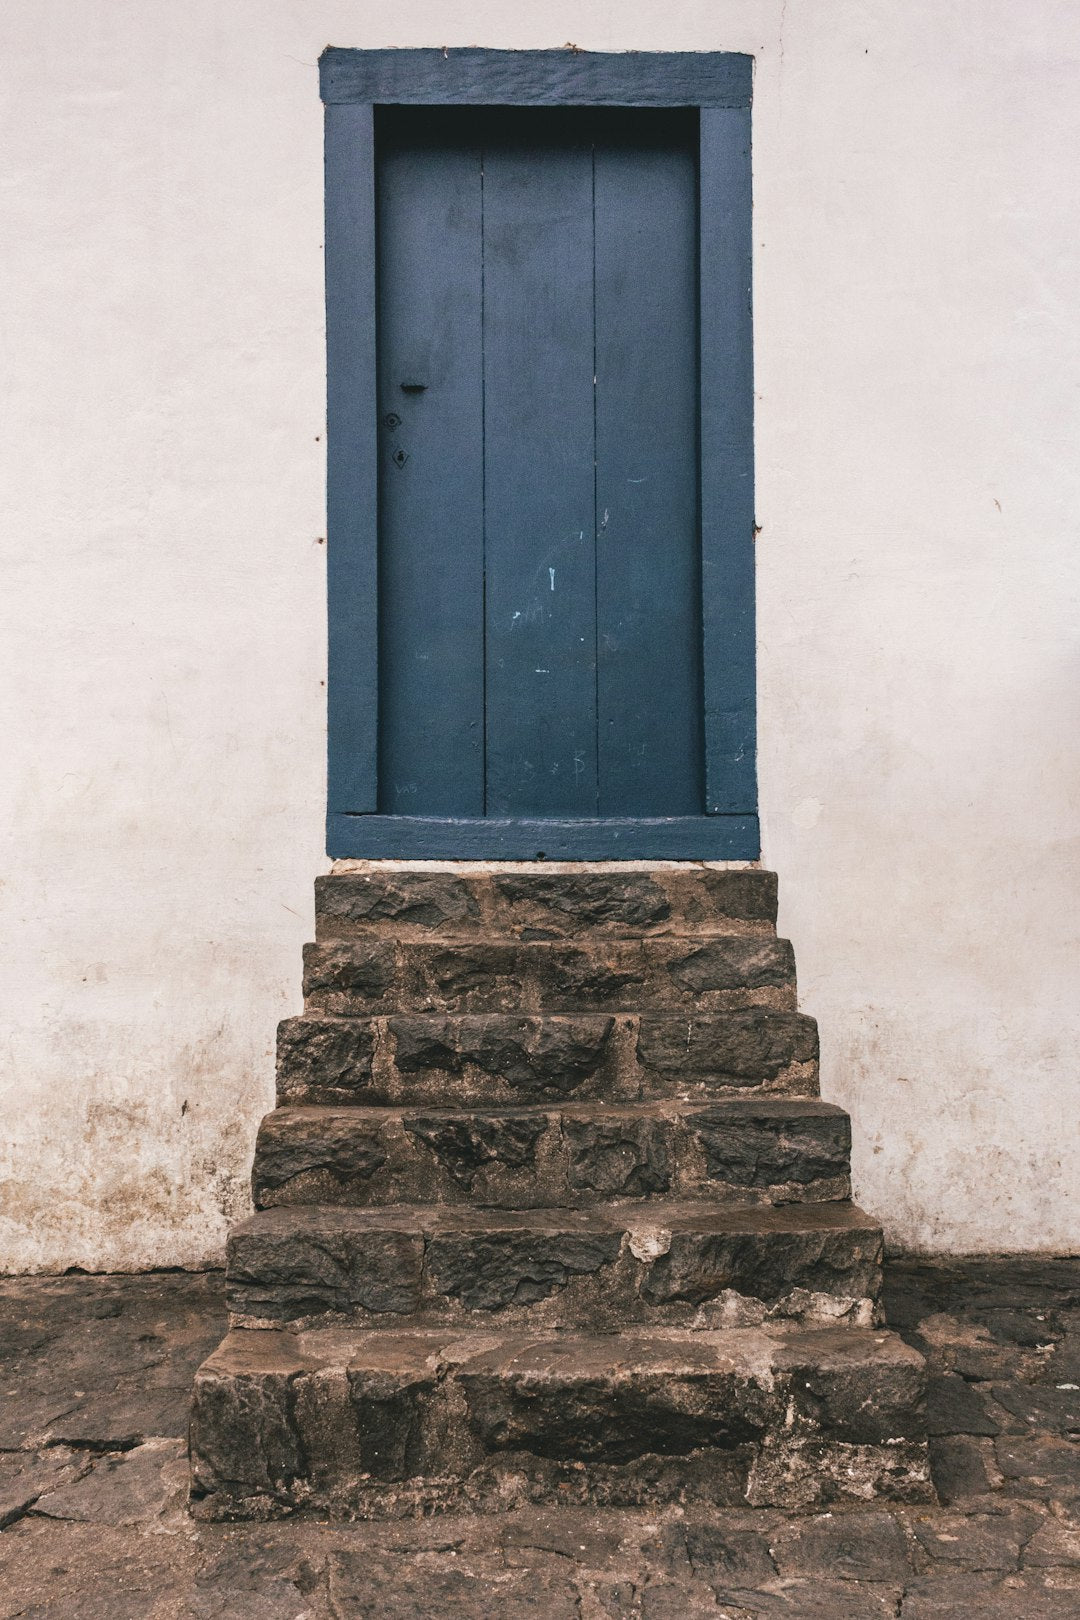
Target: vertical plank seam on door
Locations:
point(483, 501)
point(596, 496)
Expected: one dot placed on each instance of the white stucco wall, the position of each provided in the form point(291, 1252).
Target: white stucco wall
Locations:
point(918, 348)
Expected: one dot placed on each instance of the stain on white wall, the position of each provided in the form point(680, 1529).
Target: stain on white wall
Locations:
point(917, 253)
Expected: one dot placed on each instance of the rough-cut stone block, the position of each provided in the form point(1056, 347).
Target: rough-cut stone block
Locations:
point(330, 1056)
point(545, 903)
point(391, 1409)
point(774, 1143)
point(743, 1047)
point(665, 1400)
point(558, 1156)
point(766, 1260)
point(1056, 1544)
point(730, 963)
point(551, 1056)
point(361, 1424)
point(394, 903)
point(466, 1144)
point(844, 1389)
point(336, 1147)
point(672, 1263)
point(555, 905)
point(283, 1267)
point(245, 1409)
point(810, 1473)
point(360, 976)
point(517, 1266)
point(620, 1154)
point(365, 976)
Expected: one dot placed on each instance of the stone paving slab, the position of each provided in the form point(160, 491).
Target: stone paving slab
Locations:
point(94, 1522)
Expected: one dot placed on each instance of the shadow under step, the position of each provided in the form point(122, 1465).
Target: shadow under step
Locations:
point(571, 1155)
point(599, 1269)
point(348, 1424)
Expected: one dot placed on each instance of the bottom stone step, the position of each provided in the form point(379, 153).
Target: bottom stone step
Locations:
point(354, 1424)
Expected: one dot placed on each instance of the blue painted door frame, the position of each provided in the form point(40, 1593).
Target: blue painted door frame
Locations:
point(354, 84)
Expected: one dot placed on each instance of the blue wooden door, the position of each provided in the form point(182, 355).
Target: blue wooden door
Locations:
point(540, 616)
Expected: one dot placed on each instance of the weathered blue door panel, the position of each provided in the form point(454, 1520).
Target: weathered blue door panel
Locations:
point(649, 691)
point(538, 455)
point(431, 469)
point(540, 620)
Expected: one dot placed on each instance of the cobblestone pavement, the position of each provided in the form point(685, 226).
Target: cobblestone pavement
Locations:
point(95, 1378)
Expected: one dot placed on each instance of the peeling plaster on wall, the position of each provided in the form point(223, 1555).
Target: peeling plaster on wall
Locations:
point(917, 339)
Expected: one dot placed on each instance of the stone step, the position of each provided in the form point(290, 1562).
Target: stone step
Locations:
point(432, 1059)
point(351, 1424)
point(669, 1263)
point(573, 1155)
point(561, 901)
point(711, 975)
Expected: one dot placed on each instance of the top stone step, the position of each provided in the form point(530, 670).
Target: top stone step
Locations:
point(563, 901)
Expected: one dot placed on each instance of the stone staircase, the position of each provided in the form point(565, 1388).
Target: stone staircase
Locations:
point(550, 1210)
